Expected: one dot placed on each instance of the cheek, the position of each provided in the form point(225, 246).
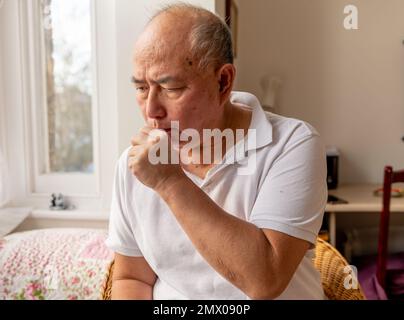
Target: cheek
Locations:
point(195, 110)
point(194, 117)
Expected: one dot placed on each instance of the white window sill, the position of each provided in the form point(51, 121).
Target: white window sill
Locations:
point(70, 215)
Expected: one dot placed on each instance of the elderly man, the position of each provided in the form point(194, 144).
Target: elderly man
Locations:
point(202, 230)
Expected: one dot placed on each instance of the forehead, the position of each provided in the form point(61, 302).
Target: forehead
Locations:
point(158, 59)
point(164, 46)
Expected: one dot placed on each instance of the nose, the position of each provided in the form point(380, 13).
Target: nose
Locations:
point(154, 108)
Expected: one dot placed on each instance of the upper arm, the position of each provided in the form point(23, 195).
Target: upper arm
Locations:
point(290, 205)
point(293, 194)
point(133, 268)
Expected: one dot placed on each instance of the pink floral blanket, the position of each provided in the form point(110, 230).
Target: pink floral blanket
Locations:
point(56, 264)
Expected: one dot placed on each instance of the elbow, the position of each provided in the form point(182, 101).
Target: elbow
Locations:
point(267, 290)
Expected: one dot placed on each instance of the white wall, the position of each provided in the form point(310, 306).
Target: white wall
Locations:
point(2, 120)
point(4, 198)
point(348, 84)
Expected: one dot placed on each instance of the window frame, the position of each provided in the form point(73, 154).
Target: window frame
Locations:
point(21, 102)
point(74, 184)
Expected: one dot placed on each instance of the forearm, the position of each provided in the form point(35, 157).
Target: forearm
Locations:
point(128, 289)
point(235, 248)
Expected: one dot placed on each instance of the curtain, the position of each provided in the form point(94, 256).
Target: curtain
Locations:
point(4, 192)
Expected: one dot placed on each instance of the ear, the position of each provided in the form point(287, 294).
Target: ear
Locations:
point(226, 75)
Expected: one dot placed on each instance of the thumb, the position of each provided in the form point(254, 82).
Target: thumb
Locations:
point(156, 135)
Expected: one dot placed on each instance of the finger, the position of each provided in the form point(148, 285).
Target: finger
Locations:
point(156, 135)
point(137, 140)
point(152, 133)
point(131, 163)
point(136, 151)
point(146, 129)
point(140, 138)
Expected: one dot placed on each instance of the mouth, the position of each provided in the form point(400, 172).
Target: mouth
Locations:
point(170, 130)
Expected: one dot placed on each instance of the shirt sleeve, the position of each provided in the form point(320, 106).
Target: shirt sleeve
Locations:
point(293, 195)
point(121, 238)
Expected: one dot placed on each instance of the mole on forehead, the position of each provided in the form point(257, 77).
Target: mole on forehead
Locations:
point(150, 59)
point(160, 55)
point(189, 62)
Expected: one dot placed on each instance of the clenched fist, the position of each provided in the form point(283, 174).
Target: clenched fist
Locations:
point(149, 147)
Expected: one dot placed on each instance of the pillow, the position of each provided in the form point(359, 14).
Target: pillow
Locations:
point(55, 264)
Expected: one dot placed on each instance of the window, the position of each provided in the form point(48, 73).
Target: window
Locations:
point(67, 122)
point(63, 105)
point(60, 101)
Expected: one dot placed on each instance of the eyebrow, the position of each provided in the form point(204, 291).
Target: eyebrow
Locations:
point(136, 81)
point(163, 80)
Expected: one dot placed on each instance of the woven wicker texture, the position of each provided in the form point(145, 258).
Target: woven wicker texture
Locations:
point(106, 292)
point(328, 261)
point(331, 265)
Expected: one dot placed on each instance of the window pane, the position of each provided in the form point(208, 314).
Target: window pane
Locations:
point(68, 124)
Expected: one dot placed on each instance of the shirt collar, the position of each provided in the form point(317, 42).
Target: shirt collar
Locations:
point(259, 122)
point(260, 126)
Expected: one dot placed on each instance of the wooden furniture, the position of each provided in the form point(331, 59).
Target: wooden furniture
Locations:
point(107, 287)
point(390, 177)
point(360, 199)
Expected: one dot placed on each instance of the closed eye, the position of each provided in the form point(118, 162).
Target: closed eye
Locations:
point(174, 89)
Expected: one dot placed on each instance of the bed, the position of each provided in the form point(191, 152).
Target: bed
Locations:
point(54, 264)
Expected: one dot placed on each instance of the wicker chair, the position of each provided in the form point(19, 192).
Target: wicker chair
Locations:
point(106, 288)
point(328, 261)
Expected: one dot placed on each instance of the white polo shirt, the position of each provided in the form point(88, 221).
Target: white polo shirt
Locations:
point(286, 192)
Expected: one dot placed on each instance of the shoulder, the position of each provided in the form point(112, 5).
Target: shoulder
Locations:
point(291, 128)
point(288, 133)
point(293, 140)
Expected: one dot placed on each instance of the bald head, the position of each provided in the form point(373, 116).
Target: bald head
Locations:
point(183, 29)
